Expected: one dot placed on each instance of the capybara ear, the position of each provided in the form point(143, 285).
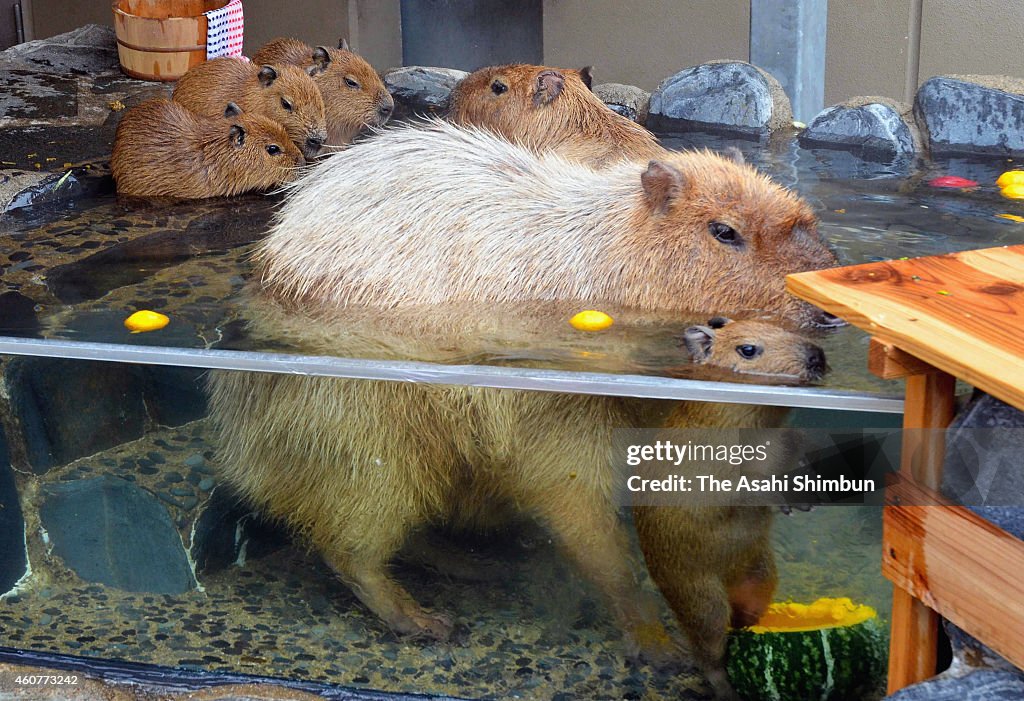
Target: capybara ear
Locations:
point(343, 44)
point(549, 86)
point(232, 110)
point(237, 135)
point(321, 59)
point(719, 321)
point(698, 341)
point(734, 154)
point(662, 183)
point(267, 76)
point(587, 76)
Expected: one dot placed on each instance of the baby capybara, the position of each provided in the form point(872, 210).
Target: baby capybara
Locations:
point(713, 562)
point(283, 93)
point(163, 149)
point(354, 95)
point(549, 108)
point(355, 465)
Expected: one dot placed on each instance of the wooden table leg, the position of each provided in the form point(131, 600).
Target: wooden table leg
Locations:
point(915, 627)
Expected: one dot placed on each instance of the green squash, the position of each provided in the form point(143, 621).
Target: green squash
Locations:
point(831, 650)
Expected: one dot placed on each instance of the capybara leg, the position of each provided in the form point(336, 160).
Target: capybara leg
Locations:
point(701, 605)
point(370, 582)
point(588, 529)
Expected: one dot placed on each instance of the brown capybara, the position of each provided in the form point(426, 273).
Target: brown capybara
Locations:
point(549, 108)
point(163, 149)
point(354, 95)
point(283, 93)
point(713, 562)
point(740, 346)
point(438, 215)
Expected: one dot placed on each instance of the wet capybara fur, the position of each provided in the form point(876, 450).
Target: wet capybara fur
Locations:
point(434, 216)
point(283, 93)
point(163, 149)
point(549, 108)
point(354, 95)
point(713, 562)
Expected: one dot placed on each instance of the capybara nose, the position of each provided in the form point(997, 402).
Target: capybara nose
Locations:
point(384, 111)
point(816, 363)
point(314, 144)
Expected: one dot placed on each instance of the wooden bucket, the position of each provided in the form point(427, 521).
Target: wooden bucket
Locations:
point(161, 39)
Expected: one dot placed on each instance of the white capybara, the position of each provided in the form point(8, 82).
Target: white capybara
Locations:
point(432, 217)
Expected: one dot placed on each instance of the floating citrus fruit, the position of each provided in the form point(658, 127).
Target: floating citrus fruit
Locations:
point(591, 320)
point(1011, 177)
point(145, 320)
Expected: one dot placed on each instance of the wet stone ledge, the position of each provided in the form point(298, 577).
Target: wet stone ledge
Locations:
point(110, 531)
point(972, 114)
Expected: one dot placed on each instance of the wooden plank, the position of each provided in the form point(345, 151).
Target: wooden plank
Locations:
point(962, 319)
point(928, 409)
point(956, 563)
point(890, 363)
point(912, 641)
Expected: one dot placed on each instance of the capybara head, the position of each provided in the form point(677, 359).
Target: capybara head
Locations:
point(355, 94)
point(738, 233)
point(291, 98)
point(548, 108)
point(255, 150)
point(755, 347)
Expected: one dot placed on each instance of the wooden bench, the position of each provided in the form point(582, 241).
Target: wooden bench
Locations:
point(933, 320)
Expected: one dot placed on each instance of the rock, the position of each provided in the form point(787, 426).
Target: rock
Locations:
point(981, 471)
point(13, 560)
point(110, 531)
point(18, 316)
point(420, 90)
point(865, 124)
point(174, 395)
point(726, 96)
point(981, 685)
point(628, 100)
point(88, 50)
point(68, 409)
point(972, 114)
point(225, 526)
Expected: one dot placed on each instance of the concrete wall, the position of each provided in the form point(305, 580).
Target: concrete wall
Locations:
point(641, 42)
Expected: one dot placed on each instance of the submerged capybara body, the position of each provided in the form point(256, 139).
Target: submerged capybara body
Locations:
point(549, 108)
point(163, 149)
point(354, 95)
point(434, 217)
point(283, 93)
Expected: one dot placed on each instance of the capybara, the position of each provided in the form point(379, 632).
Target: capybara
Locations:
point(163, 149)
point(549, 108)
point(283, 93)
point(740, 346)
point(353, 93)
point(713, 562)
point(437, 214)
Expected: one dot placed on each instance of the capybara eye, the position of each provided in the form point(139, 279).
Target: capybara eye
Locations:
point(273, 149)
point(286, 104)
point(351, 82)
point(749, 351)
point(498, 87)
point(725, 233)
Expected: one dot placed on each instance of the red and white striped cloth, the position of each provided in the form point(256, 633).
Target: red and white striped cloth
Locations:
point(224, 28)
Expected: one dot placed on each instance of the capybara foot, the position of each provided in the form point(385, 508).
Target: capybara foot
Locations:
point(423, 625)
point(719, 682)
point(651, 644)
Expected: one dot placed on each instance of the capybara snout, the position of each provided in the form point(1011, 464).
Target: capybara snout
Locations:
point(755, 347)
